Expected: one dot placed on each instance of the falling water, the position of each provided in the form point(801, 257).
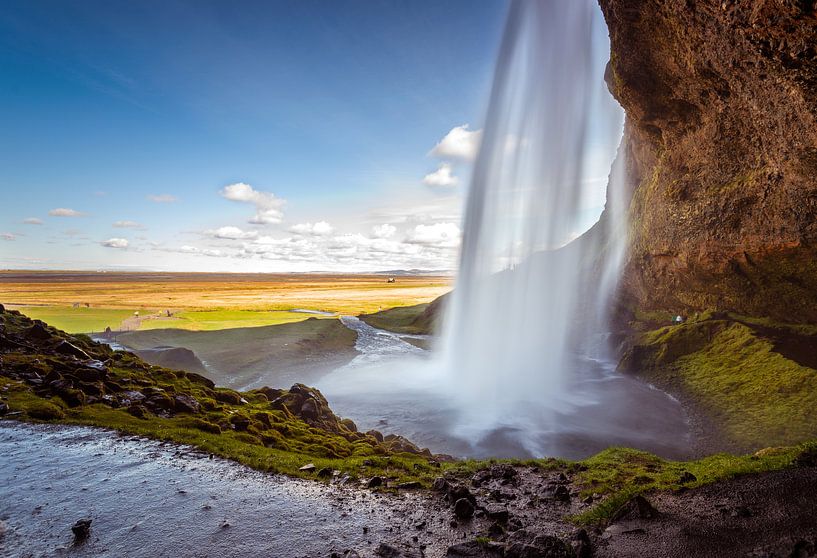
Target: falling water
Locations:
point(513, 316)
point(520, 370)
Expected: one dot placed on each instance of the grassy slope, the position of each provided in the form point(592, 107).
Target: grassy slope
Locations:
point(278, 441)
point(238, 356)
point(421, 319)
point(211, 320)
point(78, 320)
point(736, 375)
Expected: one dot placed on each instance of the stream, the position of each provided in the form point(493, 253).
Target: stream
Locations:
point(152, 499)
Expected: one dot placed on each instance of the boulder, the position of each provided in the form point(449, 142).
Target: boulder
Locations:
point(186, 404)
point(374, 482)
point(81, 529)
point(37, 332)
point(636, 507)
point(66, 348)
point(463, 508)
point(475, 549)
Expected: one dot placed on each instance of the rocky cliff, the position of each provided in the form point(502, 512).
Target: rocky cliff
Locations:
point(721, 102)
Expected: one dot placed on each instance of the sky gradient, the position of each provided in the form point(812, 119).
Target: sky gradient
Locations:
point(270, 136)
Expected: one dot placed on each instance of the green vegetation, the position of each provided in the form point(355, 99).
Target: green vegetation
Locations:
point(739, 374)
point(621, 473)
point(283, 430)
point(420, 319)
point(210, 320)
point(78, 320)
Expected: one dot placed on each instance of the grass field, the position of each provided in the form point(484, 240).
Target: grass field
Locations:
point(203, 301)
point(77, 320)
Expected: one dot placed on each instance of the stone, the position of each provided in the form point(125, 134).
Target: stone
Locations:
point(497, 513)
point(374, 482)
point(463, 508)
point(582, 547)
point(325, 472)
point(687, 477)
point(66, 348)
point(37, 332)
point(440, 485)
point(186, 404)
point(387, 551)
point(560, 493)
point(458, 491)
point(308, 468)
point(309, 409)
point(81, 529)
point(4, 408)
point(637, 507)
point(474, 549)
point(411, 485)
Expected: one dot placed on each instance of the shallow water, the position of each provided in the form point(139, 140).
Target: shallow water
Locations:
point(149, 499)
point(394, 387)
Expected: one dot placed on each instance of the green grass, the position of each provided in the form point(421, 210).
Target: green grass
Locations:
point(78, 320)
point(754, 394)
point(621, 473)
point(211, 320)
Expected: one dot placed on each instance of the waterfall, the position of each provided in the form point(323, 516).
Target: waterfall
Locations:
point(508, 342)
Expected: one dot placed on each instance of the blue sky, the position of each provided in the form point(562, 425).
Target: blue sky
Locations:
point(245, 136)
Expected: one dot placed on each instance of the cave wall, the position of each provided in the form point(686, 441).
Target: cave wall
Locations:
point(721, 103)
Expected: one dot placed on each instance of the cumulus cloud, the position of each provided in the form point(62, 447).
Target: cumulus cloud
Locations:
point(128, 225)
point(460, 143)
point(267, 205)
point(442, 177)
point(120, 243)
point(321, 228)
point(162, 198)
point(65, 212)
point(213, 253)
point(231, 233)
point(384, 231)
point(32, 221)
point(8, 236)
point(441, 235)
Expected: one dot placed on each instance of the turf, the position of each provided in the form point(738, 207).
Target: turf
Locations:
point(210, 320)
point(78, 320)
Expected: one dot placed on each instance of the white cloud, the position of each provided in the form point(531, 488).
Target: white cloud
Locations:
point(162, 198)
point(384, 231)
point(442, 177)
point(200, 251)
point(267, 205)
point(460, 143)
point(120, 243)
point(128, 225)
point(8, 236)
point(321, 228)
point(65, 212)
point(32, 221)
point(441, 235)
point(231, 233)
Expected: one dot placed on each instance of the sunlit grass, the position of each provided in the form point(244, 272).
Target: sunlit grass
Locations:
point(78, 320)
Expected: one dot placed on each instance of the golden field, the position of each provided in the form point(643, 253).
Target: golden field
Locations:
point(204, 300)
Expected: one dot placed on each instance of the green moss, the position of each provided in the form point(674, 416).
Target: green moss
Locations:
point(732, 371)
point(621, 473)
point(403, 319)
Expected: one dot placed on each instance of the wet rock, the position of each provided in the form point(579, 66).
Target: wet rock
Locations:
point(804, 549)
point(325, 472)
point(241, 423)
point(560, 493)
point(159, 402)
point(504, 472)
point(440, 485)
point(474, 549)
point(129, 397)
point(523, 544)
point(139, 411)
point(582, 547)
point(387, 551)
point(90, 374)
point(480, 478)
point(497, 513)
point(687, 477)
point(637, 507)
point(458, 492)
point(308, 468)
point(463, 508)
point(4, 408)
point(224, 396)
point(81, 530)
point(92, 388)
point(741, 511)
point(309, 409)
point(66, 348)
point(374, 482)
point(186, 404)
point(411, 485)
point(376, 435)
point(37, 332)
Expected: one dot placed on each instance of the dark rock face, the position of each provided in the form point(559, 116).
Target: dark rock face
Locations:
point(721, 148)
